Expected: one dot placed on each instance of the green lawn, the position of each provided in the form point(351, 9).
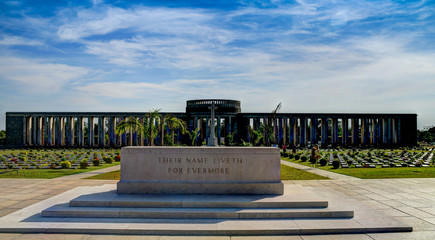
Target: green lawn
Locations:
point(287, 173)
point(377, 173)
point(49, 173)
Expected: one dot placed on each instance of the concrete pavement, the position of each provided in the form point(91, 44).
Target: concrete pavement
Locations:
point(411, 201)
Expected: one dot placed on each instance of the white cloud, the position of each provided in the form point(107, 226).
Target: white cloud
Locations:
point(166, 21)
point(39, 77)
point(16, 40)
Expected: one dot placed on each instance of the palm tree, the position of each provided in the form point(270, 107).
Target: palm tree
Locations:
point(193, 135)
point(150, 128)
point(129, 125)
point(174, 123)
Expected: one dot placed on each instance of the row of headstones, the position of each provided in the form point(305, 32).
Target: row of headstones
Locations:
point(359, 162)
point(46, 164)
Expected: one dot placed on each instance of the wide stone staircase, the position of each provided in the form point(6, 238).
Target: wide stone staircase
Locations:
point(209, 215)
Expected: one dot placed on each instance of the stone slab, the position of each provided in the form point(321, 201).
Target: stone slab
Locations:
point(112, 199)
point(200, 170)
point(63, 210)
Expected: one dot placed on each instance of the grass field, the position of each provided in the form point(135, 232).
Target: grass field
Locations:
point(287, 173)
point(50, 173)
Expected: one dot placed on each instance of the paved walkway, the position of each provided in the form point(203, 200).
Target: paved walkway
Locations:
point(331, 175)
point(89, 174)
point(411, 201)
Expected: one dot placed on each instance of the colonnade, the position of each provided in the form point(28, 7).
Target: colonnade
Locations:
point(70, 131)
point(325, 130)
point(75, 129)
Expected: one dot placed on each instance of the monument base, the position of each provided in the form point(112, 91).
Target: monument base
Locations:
point(200, 170)
point(199, 188)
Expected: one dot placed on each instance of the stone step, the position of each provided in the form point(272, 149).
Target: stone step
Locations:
point(205, 227)
point(111, 199)
point(63, 210)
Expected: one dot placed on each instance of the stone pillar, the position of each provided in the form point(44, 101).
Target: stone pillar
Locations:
point(47, 131)
point(384, 131)
point(280, 131)
point(101, 133)
point(219, 130)
point(292, 130)
point(345, 131)
point(355, 131)
point(28, 138)
point(334, 131)
point(389, 131)
point(62, 131)
point(313, 127)
point(375, 134)
point(284, 131)
point(364, 131)
point(399, 131)
point(230, 124)
point(57, 131)
point(303, 130)
point(73, 132)
point(91, 131)
point(67, 131)
point(35, 130)
point(124, 135)
point(394, 124)
point(324, 131)
point(112, 123)
point(81, 131)
point(207, 129)
point(142, 137)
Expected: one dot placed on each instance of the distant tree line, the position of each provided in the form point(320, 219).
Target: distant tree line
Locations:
point(2, 137)
point(426, 135)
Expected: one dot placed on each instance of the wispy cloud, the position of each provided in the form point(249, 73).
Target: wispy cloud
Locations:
point(16, 40)
point(31, 76)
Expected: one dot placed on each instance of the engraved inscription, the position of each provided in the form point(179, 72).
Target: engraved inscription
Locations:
point(195, 165)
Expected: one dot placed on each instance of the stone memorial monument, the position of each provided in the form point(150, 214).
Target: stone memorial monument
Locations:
point(200, 170)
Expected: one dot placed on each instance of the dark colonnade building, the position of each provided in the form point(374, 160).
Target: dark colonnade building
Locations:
point(97, 129)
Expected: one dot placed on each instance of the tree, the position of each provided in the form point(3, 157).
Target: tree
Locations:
point(2, 137)
point(193, 135)
point(256, 136)
point(129, 125)
point(173, 123)
point(151, 129)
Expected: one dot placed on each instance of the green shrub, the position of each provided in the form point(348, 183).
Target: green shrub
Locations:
point(65, 164)
point(313, 160)
point(117, 158)
point(290, 156)
point(284, 154)
point(335, 164)
point(107, 160)
point(323, 162)
point(297, 157)
point(304, 158)
point(96, 162)
point(83, 164)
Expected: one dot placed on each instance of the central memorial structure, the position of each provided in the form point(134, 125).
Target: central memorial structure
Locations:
point(200, 170)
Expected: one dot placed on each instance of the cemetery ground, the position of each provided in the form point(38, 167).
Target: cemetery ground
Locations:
point(52, 163)
point(370, 163)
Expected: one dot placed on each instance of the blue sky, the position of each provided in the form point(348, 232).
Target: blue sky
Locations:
point(313, 56)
